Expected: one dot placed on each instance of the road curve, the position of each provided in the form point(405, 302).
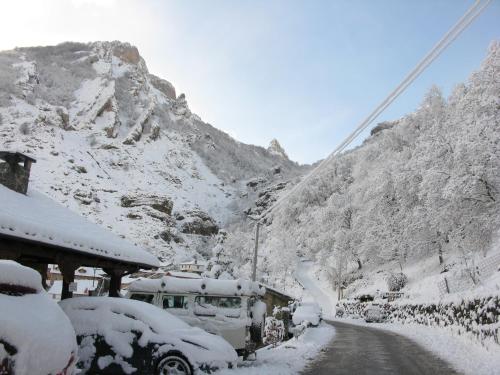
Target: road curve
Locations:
point(358, 350)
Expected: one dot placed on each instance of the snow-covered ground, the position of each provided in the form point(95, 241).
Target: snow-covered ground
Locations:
point(289, 357)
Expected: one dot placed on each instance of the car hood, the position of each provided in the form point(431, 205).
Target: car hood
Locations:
point(206, 343)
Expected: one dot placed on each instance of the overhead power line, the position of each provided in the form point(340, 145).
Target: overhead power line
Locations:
point(470, 15)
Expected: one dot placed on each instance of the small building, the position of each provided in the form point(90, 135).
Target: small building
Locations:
point(87, 280)
point(193, 266)
point(80, 288)
point(273, 297)
point(36, 231)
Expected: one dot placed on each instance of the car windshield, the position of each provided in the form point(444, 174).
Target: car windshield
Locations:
point(148, 298)
point(16, 290)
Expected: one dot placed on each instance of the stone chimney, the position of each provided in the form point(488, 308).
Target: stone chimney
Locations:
point(15, 170)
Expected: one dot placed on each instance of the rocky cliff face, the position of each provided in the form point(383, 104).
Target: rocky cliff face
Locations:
point(117, 144)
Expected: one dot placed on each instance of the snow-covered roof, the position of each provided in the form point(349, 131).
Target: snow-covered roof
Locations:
point(176, 285)
point(36, 217)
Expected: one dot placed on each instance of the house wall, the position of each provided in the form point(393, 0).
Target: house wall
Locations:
point(273, 299)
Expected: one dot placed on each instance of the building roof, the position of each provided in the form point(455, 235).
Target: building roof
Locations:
point(275, 291)
point(5, 155)
point(37, 218)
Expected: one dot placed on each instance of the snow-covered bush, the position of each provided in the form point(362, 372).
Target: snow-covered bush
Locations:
point(396, 282)
point(274, 331)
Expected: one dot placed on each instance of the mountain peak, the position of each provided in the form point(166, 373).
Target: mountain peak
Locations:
point(276, 149)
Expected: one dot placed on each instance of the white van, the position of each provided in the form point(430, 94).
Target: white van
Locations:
point(228, 308)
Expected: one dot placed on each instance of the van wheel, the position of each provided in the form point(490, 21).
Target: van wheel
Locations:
point(174, 364)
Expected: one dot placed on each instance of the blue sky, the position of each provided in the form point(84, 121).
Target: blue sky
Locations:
point(304, 72)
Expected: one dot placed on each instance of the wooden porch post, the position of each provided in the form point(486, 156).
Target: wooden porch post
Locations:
point(115, 282)
point(68, 273)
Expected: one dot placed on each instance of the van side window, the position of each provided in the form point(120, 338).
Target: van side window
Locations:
point(175, 302)
point(206, 305)
point(230, 302)
point(148, 298)
point(209, 305)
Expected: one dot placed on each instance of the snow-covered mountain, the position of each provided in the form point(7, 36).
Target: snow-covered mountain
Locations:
point(117, 144)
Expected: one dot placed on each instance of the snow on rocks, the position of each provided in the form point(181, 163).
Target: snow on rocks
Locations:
point(37, 218)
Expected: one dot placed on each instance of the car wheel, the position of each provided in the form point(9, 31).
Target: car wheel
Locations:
point(174, 364)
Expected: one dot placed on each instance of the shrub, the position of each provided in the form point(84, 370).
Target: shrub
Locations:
point(24, 128)
point(396, 282)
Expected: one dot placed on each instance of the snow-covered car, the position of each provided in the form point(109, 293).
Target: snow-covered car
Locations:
point(123, 336)
point(309, 312)
point(36, 337)
point(374, 313)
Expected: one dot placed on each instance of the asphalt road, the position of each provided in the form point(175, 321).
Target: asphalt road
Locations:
point(358, 350)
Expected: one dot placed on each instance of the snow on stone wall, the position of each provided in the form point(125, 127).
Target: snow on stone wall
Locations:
point(477, 317)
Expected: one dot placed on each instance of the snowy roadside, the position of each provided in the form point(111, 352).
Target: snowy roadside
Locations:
point(289, 357)
point(465, 355)
point(316, 289)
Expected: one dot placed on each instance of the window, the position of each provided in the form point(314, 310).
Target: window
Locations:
point(209, 306)
point(230, 302)
point(175, 302)
point(148, 298)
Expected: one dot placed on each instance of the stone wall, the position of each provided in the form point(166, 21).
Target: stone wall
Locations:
point(477, 316)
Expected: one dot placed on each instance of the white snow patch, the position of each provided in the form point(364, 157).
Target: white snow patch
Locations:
point(316, 289)
point(288, 358)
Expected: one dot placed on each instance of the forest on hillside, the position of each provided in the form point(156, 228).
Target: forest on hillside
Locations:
point(426, 185)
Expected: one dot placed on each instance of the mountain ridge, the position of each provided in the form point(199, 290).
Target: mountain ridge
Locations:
point(118, 145)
